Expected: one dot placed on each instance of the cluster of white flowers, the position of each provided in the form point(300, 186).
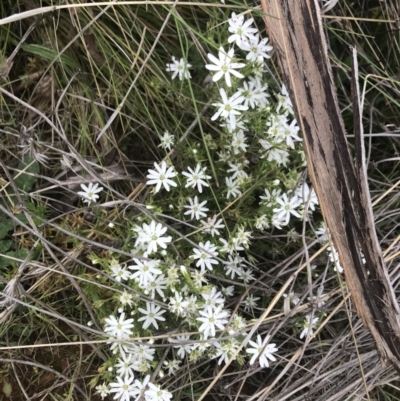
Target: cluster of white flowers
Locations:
point(285, 205)
point(126, 388)
point(172, 277)
point(133, 357)
point(253, 93)
point(162, 176)
point(206, 311)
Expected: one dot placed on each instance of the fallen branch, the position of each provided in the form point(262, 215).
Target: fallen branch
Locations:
point(295, 27)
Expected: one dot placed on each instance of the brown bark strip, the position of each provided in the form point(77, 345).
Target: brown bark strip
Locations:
point(295, 28)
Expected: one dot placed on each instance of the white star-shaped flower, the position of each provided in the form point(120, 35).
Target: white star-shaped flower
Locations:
point(238, 169)
point(157, 284)
point(224, 66)
point(145, 271)
point(212, 318)
point(213, 299)
point(155, 393)
point(196, 209)
point(205, 255)
point(255, 93)
point(307, 195)
point(284, 101)
point(185, 347)
point(225, 350)
point(289, 132)
point(308, 326)
point(196, 177)
point(89, 193)
point(161, 176)
point(152, 236)
point(172, 366)
point(212, 225)
point(270, 197)
point(228, 246)
point(240, 29)
point(262, 350)
point(118, 328)
point(229, 108)
point(167, 140)
point(256, 48)
point(177, 305)
point(238, 143)
point(152, 313)
point(126, 365)
point(180, 68)
point(123, 388)
point(232, 187)
point(287, 207)
point(250, 303)
point(233, 267)
point(119, 272)
point(102, 390)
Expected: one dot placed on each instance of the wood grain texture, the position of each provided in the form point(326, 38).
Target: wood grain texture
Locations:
point(295, 28)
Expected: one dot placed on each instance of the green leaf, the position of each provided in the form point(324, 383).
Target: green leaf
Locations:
point(19, 254)
point(7, 389)
point(25, 181)
point(5, 245)
point(48, 54)
point(6, 225)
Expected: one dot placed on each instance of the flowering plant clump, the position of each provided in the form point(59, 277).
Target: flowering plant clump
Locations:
point(193, 251)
